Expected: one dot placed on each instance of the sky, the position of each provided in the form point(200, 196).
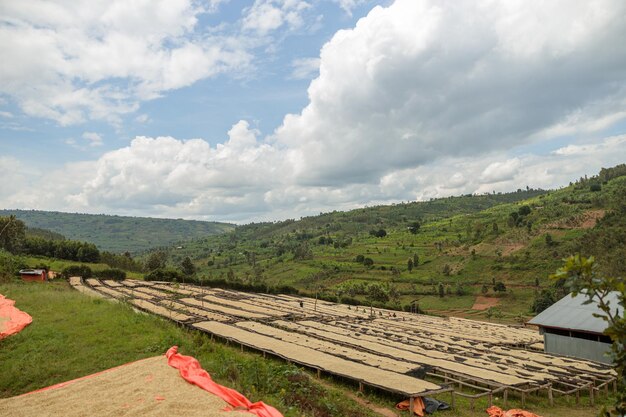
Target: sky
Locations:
point(241, 111)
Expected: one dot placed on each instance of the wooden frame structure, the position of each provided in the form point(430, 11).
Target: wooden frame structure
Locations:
point(464, 357)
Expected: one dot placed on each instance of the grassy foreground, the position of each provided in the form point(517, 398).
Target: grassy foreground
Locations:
point(73, 335)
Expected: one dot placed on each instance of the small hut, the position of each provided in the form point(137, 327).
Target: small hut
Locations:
point(570, 328)
point(39, 275)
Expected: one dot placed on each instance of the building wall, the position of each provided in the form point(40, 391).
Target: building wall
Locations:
point(30, 278)
point(579, 348)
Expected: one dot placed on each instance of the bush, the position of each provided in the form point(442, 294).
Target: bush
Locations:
point(165, 274)
point(542, 301)
point(77, 271)
point(349, 300)
point(111, 273)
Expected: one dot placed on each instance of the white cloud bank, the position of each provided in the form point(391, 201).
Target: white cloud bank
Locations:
point(421, 99)
point(73, 61)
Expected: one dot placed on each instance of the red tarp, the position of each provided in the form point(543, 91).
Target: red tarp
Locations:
point(192, 371)
point(418, 406)
point(12, 320)
point(494, 411)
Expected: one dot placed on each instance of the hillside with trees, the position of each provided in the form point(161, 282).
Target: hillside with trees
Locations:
point(438, 255)
point(117, 234)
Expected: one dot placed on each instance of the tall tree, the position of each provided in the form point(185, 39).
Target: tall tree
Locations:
point(11, 234)
point(187, 266)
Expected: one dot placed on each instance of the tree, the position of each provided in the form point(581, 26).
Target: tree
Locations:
point(416, 260)
point(447, 270)
point(549, 240)
point(11, 234)
point(378, 233)
point(376, 293)
point(542, 301)
point(580, 276)
point(414, 227)
point(499, 287)
point(441, 290)
point(368, 262)
point(156, 260)
point(187, 266)
point(409, 264)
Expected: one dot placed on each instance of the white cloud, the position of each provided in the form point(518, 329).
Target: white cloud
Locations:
point(92, 138)
point(244, 179)
point(97, 60)
point(265, 16)
point(421, 99)
point(6, 114)
point(500, 171)
point(349, 5)
point(142, 118)
point(305, 68)
point(13, 178)
point(423, 80)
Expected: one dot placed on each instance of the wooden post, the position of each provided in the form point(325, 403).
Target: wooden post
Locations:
point(490, 398)
point(361, 387)
point(452, 399)
point(411, 405)
point(615, 386)
point(606, 389)
point(550, 397)
point(242, 347)
point(523, 398)
point(577, 397)
point(319, 373)
point(591, 400)
point(472, 403)
point(506, 396)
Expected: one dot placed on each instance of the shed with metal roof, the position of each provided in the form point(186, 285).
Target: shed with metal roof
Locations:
point(570, 328)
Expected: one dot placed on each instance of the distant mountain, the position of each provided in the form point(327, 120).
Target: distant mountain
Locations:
point(119, 233)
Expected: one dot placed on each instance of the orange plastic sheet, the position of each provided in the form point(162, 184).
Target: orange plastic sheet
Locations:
point(418, 406)
point(191, 370)
point(494, 411)
point(12, 320)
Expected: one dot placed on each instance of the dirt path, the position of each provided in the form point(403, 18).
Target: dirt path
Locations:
point(362, 401)
point(483, 303)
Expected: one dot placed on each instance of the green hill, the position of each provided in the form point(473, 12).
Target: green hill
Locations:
point(117, 233)
point(469, 244)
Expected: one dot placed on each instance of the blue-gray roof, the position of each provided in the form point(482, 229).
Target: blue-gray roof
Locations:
point(570, 313)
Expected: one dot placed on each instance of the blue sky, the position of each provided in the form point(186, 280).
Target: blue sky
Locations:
point(270, 109)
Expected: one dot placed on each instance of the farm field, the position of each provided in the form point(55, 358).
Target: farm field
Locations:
point(375, 347)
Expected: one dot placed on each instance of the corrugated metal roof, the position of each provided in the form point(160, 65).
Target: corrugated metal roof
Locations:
point(31, 271)
point(570, 313)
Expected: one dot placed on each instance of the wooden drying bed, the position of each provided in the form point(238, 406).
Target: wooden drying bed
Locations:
point(380, 378)
point(476, 359)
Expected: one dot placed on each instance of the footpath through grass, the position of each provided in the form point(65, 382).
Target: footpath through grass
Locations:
point(73, 335)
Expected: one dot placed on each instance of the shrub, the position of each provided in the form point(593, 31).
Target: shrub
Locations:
point(111, 273)
point(77, 271)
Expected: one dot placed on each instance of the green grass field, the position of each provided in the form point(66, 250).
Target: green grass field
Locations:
point(73, 335)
